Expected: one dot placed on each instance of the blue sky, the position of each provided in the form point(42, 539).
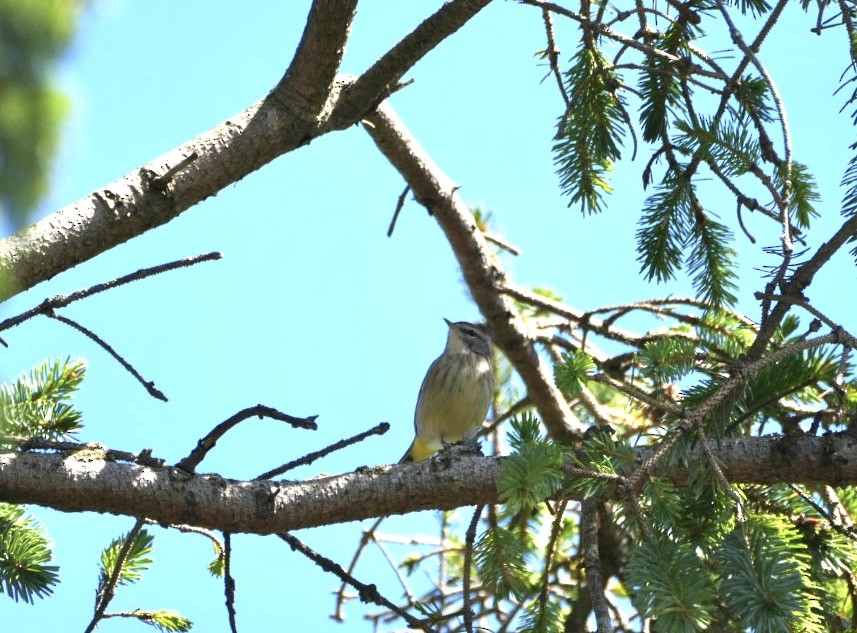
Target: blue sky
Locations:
point(313, 309)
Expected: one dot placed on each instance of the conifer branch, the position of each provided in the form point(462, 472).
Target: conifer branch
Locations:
point(173, 497)
point(105, 593)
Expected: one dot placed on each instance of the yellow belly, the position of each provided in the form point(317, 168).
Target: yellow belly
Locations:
point(453, 402)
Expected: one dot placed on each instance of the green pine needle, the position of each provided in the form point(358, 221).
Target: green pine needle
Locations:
point(525, 430)
point(164, 620)
point(571, 374)
point(24, 552)
point(530, 476)
point(37, 404)
point(764, 568)
point(600, 452)
point(659, 86)
point(710, 259)
point(804, 193)
point(752, 94)
point(663, 228)
point(849, 180)
point(138, 559)
point(668, 581)
point(730, 145)
point(591, 132)
point(500, 560)
point(542, 617)
point(668, 359)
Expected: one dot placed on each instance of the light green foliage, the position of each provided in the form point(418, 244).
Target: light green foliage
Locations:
point(724, 334)
point(804, 193)
point(24, 554)
point(668, 359)
point(35, 34)
point(659, 87)
point(601, 452)
point(590, 132)
point(542, 617)
point(571, 373)
point(217, 566)
point(132, 559)
point(797, 379)
point(533, 472)
point(38, 403)
point(164, 620)
point(499, 557)
point(431, 610)
point(764, 567)
point(676, 230)
point(671, 584)
point(137, 560)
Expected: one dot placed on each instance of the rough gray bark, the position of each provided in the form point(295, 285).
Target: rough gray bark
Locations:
point(84, 481)
point(308, 102)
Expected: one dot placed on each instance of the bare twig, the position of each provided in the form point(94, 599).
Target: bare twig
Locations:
point(189, 463)
point(553, 56)
point(378, 429)
point(229, 581)
point(163, 180)
point(502, 243)
point(399, 204)
point(834, 516)
point(48, 307)
point(144, 457)
point(800, 279)
point(147, 384)
point(366, 593)
point(61, 301)
point(800, 301)
point(550, 552)
point(374, 85)
point(469, 542)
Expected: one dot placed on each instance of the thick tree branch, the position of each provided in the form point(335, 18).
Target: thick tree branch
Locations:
point(298, 110)
point(85, 482)
point(308, 83)
point(145, 199)
point(481, 270)
point(378, 82)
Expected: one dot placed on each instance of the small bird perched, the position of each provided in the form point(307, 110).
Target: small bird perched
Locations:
point(456, 392)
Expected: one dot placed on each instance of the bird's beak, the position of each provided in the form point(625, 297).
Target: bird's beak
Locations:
point(448, 322)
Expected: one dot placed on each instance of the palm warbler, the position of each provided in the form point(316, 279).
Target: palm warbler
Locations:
point(456, 392)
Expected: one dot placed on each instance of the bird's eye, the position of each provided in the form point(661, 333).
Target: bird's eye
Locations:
point(471, 332)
